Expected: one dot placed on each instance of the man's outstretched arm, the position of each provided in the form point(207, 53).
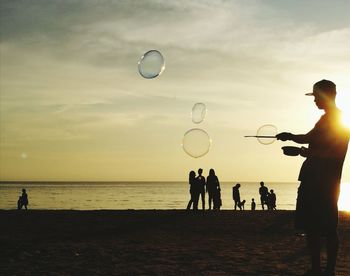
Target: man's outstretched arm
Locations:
point(297, 138)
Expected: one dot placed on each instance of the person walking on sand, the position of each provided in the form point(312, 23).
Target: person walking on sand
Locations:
point(236, 196)
point(253, 205)
point(263, 191)
point(193, 192)
point(200, 183)
point(212, 187)
point(320, 175)
point(23, 200)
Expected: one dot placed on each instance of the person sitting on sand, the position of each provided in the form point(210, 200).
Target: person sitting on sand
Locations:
point(212, 186)
point(200, 179)
point(253, 205)
point(236, 196)
point(263, 191)
point(193, 191)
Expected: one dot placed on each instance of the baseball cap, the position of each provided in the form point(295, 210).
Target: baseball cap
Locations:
point(326, 87)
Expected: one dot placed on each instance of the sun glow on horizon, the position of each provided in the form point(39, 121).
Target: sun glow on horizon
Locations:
point(344, 198)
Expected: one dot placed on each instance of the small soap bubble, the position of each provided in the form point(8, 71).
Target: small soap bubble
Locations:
point(151, 64)
point(196, 142)
point(267, 130)
point(199, 111)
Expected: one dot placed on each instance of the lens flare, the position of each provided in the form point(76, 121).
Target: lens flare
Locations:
point(344, 198)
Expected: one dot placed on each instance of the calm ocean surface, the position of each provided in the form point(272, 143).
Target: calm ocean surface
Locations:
point(132, 195)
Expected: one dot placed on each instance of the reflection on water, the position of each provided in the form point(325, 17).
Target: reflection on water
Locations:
point(141, 195)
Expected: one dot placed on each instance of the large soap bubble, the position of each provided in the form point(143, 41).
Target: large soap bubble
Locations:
point(266, 134)
point(196, 142)
point(199, 110)
point(151, 64)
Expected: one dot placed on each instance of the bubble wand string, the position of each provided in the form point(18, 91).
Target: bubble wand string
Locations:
point(260, 136)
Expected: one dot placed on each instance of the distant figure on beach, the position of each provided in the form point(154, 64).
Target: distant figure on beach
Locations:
point(241, 205)
point(217, 203)
point(212, 186)
point(193, 191)
point(320, 176)
point(23, 200)
point(19, 203)
point(253, 205)
point(200, 183)
point(271, 200)
point(236, 196)
point(263, 191)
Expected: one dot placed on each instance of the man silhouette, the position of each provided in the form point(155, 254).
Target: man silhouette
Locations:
point(263, 191)
point(236, 196)
point(320, 175)
point(200, 179)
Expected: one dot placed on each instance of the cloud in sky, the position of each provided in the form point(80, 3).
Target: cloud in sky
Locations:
point(69, 75)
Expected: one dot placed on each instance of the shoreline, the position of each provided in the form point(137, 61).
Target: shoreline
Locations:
point(157, 242)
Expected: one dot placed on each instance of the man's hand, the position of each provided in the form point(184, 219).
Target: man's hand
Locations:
point(304, 152)
point(284, 136)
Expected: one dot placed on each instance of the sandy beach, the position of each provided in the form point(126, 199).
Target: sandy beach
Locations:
point(157, 243)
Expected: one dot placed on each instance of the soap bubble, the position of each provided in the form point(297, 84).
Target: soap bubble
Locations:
point(196, 142)
point(151, 64)
point(267, 130)
point(199, 110)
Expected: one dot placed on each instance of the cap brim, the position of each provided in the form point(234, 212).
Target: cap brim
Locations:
point(309, 94)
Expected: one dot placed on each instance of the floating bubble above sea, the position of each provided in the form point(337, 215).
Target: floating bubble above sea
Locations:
point(199, 111)
point(196, 142)
point(151, 64)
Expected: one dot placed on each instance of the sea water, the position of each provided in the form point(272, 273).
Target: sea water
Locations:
point(132, 195)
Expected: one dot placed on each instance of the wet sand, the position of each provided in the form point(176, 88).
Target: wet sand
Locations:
point(157, 243)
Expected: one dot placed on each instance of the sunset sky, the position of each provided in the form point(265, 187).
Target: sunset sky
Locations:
point(74, 107)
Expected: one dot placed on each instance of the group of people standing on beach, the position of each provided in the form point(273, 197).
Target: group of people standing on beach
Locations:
point(266, 198)
point(199, 186)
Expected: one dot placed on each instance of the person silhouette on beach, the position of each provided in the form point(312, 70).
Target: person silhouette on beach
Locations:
point(320, 176)
point(193, 192)
point(23, 200)
point(212, 186)
point(253, 205)
point(263, 191)
point(19, 203)
point(217, 202)
point(241, 204)
point(200, 183)
point(271, 200)
point(236, 196)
